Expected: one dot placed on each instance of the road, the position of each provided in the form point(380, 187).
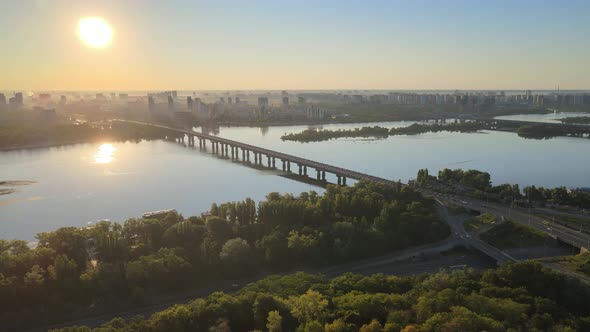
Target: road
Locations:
point(456, 224)
point(520, 215)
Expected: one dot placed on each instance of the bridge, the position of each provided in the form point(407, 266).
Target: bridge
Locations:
point(230, 148)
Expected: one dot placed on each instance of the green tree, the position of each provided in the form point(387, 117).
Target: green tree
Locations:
point(274, 321)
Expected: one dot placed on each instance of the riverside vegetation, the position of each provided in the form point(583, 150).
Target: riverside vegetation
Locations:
point(514, 297)
point(73, 271)
point(312, 135)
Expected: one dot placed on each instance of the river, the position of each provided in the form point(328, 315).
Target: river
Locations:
point(79, 184)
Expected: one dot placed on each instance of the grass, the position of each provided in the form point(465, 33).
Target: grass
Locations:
point(479, 221)
point(579, 263)
point(455, 209)
point(510, 235)
point(566, 219)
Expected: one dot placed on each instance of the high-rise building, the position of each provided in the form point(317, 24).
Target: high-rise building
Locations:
point(2, 100)
point(170, 104)
point(189, 103)
point(62, 100)
point(229, 100)
point(151, 104)
point(19, 98)
point(285, 101)
point(262, 102)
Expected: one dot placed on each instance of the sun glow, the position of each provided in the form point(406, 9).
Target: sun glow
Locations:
point(95, 32)
point(104, 155)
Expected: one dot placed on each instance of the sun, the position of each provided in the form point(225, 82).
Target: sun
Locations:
point(95, 32)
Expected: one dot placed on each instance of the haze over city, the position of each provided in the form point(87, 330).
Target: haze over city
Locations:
point(246, 45)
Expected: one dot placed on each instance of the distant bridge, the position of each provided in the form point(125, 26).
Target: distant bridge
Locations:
point(226, 148)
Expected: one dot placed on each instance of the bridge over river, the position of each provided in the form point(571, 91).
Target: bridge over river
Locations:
point(230, 148)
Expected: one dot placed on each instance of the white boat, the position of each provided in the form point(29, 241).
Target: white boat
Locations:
point(158, 213)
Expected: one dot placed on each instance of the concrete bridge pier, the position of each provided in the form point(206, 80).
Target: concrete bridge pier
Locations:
point(284, 169)
point(299, 169)
point(288, 166)
point(273, 162)
point(227, 150)
point(268, 161)
point(323, 175)
point(305, 170)
point(318, 174)
point(343, 180)
point(243, 155)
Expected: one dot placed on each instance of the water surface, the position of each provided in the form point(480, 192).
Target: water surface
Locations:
point(83, 183)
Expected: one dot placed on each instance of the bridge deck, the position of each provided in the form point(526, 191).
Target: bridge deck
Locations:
point(283, 156)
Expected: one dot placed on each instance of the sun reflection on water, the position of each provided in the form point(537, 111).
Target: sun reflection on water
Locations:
point(105, 153)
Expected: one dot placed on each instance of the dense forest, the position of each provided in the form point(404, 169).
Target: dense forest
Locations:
point(76, 271)
point(32, 134)
point(480, 185)
point(514, 297)
point(312, 135)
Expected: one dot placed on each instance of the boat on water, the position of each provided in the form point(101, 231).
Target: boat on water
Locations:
point(158, 213)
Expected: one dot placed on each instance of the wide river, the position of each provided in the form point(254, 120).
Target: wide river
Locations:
point(80, 184)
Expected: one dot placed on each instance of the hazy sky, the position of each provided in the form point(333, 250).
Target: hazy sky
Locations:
point(280, 44)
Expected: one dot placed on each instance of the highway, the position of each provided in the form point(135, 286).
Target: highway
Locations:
point(563, 233)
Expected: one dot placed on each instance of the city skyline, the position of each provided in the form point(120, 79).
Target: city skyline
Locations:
point(262, 45)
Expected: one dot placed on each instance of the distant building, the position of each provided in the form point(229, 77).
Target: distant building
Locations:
point(301, 100)
point(189, 103)
point(2, 100)
point(47, 114)
point(44, 96)
point(229, 100)
point(170, 104)
point(285, 101)
point(123, 96)
point(19, 98)
point(62, 100)
point(151, 104)
point(16, 102)
point(263, 102)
